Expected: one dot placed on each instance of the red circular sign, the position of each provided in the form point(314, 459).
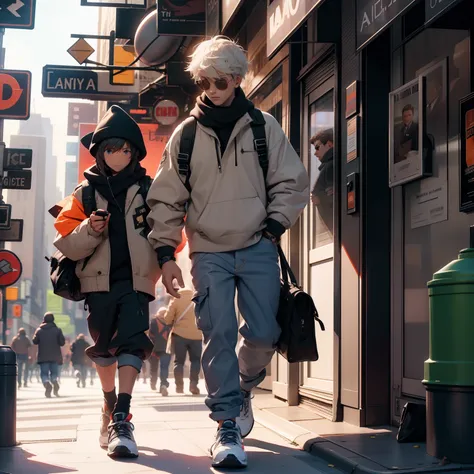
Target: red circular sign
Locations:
point(166, 112)
point(10, 268)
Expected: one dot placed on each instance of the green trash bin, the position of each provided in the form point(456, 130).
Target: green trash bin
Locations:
point(449, 371)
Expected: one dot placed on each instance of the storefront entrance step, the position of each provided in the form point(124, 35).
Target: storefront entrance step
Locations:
point(346, 447)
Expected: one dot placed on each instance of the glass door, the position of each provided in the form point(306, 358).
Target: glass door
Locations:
point(317, 377)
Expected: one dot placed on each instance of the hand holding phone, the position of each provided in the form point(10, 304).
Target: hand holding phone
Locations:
point(99, 220)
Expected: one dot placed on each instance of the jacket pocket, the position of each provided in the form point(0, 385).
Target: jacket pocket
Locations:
point(239, 216)
point(203, 315)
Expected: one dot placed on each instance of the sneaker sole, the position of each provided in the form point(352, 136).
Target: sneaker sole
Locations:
point(230, 462)
point(249, 431)
point(121, 452)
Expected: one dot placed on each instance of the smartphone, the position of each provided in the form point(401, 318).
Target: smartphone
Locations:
point(103, 214)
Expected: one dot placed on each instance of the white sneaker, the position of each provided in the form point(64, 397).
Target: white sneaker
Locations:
point(104, 425)
point(121, 441)
point(228, 450)
point(245, 419)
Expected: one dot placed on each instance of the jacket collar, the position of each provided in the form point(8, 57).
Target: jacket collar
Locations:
point(239, 126)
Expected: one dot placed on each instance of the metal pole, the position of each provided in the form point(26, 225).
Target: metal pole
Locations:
point(2, 144)
point(4, 316)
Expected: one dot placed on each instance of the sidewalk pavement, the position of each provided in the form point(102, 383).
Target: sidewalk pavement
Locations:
point(346, 447)
point(173, 434)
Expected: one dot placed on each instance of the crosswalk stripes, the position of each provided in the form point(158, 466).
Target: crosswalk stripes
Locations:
point(41, 419)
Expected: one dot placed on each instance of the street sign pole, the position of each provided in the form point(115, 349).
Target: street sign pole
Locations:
point(4, 315)
point(2, 144)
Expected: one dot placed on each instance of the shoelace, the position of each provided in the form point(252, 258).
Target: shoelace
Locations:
point(229, 436)
point(246, 404)
point(121, 429)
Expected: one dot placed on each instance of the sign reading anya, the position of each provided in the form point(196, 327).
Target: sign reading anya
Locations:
point(373, 16)
point(63, 82)
point(82, 83)
point(283, 18)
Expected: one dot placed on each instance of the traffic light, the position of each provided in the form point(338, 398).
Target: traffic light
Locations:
point(11, 293)
point(17, 310)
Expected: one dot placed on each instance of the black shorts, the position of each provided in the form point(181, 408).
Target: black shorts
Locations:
point(118, 320)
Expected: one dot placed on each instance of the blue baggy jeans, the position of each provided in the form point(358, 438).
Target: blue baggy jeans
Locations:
point(255, 274)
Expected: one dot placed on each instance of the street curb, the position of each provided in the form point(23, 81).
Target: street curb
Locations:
point(355, 464)
point(334, 454)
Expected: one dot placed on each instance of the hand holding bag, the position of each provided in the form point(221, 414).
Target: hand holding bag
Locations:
point(296, 316)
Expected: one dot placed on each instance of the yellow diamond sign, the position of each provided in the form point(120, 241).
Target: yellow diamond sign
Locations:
point(81, 50)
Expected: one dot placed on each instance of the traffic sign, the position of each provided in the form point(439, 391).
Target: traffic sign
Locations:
point(14, 233)
point(17, 310)
point(166, 112)
point(5, 216)
point(18, 14)
point(15, 94)
point(19, 179)
point(10, 268)
point(17, 159)
point(81, 50)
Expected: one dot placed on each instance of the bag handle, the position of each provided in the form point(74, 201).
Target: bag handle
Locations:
point(286, 269)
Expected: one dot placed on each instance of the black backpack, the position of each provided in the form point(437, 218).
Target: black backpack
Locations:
point(188, 136)
point(63, 276)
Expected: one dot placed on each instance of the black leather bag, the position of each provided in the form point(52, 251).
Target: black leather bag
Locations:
point(63, 276)
point(412, 427)
point(296, 316)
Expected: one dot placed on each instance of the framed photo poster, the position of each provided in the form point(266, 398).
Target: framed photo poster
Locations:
point(466, 165)
point(406, 133)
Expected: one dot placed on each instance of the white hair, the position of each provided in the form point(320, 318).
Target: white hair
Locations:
point(217, 56)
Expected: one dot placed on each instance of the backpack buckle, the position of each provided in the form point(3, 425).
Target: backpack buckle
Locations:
point(260, 145)
point(183, 163)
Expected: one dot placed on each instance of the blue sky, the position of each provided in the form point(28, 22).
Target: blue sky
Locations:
point(48, 43)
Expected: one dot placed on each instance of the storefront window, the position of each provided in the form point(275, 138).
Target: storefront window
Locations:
point(322, 169)
point(269, 96)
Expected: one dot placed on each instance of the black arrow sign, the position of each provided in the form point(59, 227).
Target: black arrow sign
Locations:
point(17, 14)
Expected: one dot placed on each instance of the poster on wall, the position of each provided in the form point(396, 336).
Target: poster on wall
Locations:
point(428, 198)
point(466, 165)
point(406, 133)
point(182, 17)
point(352, 133)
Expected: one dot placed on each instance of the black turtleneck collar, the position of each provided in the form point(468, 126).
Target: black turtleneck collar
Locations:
point(221, 119)
point(213, 116)
point(112, 186)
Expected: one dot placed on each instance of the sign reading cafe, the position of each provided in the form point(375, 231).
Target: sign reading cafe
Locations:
point(283, 18)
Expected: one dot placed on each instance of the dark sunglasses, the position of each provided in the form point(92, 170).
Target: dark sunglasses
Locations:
point(316, 147)
point(221, 84)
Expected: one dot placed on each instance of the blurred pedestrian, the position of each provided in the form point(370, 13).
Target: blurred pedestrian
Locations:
point(79, 359)
point(159, 334)
point(21, 344)
point(185, 338)
point(49, 339)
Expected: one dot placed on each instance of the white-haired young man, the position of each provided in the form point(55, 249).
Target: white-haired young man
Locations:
point(234, 219)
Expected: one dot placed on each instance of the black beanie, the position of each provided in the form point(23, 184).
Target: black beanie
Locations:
point(116, 123)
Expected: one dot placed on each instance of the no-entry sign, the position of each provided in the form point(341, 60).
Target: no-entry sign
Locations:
point(10, 268)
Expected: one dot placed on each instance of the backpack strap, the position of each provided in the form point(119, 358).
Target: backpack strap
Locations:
point(259, 139)
point(88, 198)
point(145, 185)
point(186, 146)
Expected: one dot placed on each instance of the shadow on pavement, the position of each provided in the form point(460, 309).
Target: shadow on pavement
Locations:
point(16, 460)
